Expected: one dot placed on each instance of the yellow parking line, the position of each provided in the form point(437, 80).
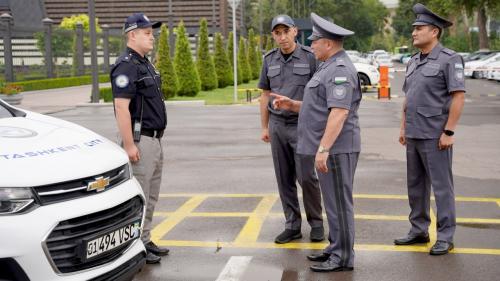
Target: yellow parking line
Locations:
point(171, 221)
point(433, 227)
point(478, 220)
point(250, 232)
point(319, 246)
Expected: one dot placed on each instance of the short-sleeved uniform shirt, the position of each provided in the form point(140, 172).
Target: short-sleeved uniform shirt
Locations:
point(427, 86)
point(287, 77)
point(134, 77)
point(334, 85)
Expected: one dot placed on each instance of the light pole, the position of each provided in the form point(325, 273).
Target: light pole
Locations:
point(234, 5)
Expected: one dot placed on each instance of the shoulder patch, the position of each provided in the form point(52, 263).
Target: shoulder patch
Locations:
point(448, 51)
point(270, 52)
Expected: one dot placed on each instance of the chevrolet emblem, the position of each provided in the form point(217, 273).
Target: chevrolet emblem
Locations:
point(98, 185)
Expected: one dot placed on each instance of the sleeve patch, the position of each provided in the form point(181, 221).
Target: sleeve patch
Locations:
point(121, 81)
point(339, 92)
point(339, 80)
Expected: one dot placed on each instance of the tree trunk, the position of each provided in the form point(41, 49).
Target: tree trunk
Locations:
point(467, 28)
point(481, 23)
point(453, 28)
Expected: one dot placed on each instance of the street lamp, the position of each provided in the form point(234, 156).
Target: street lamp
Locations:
point(234, 4)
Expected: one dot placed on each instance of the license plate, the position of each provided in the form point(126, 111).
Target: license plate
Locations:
point(111, 240)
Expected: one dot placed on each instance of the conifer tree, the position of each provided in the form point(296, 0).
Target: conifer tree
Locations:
point(204, 61)
point(222, 65)
point(253, 59)
point(165, 65)
point(189, 81)
point(230, 50)
point(246, 73)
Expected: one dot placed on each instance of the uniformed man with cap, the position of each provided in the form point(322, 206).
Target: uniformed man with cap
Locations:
point(141, 116)
point(286, 70)
point(434, 87)
point(329, 130)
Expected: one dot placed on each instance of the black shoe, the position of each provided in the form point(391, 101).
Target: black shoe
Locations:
point(411, 239)
point(287, 236)
point(317, 234)
point(328, 266)
point(319, 257)
point(159, 251)
point(441, 248)
point(152, 258)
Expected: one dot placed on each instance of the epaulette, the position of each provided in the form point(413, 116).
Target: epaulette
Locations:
point(306, 48)
point(448, 51)
point(270, 52)
point(340, 61)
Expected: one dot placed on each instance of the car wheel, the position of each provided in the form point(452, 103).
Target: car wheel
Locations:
point(476, 75)
point(365, 81)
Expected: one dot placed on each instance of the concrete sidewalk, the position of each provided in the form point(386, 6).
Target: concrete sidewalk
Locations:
point(55, 100)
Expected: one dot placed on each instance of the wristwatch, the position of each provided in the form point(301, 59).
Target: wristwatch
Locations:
point(449, 132)
point(322, 149)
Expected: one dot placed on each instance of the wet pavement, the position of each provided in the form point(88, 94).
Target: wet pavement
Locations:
point(219, 210)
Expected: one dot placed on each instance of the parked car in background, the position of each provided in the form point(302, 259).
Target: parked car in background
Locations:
point(475, 69)
point(479, 55)
point(491, 69)
point(368, 74)
point(384, 59)
point(70, 208)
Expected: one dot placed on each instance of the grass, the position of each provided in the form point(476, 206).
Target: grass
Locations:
point(221, 96)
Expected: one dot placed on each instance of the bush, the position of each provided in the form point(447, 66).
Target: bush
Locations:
point(43, 84)
point(106, 94)
point(169, 82)
point(222, 64)
point(253, 56)
point(204, 61)
point(189, 81)
point(246, 72)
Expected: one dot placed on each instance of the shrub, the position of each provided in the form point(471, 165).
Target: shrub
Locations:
point(169, 82)
point(222, 65)
point(204, 61)
point(189, 81)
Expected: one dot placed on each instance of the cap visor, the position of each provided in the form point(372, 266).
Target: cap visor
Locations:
point(156, 24)
point(420, 23)
point(313, 37)
point(284, 24)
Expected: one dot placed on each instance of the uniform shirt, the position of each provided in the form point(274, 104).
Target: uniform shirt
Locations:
point(287, 77)
point(334, 85)
point(134, 77)
point(428, 84)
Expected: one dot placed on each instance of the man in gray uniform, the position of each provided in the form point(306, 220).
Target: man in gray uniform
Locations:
point(286, 70)
point(328, 129)
point(434, 87)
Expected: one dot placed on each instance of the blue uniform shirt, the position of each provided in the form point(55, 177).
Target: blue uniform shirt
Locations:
point(134, 77)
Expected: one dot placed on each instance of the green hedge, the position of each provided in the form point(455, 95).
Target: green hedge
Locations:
point(53, 83)
point(106, 94)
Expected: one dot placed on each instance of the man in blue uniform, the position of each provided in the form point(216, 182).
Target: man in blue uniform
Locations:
point(329, 130)
point(141, 117)
point(434, 87)
point(286, 70)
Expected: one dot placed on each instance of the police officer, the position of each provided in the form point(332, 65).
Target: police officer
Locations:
point(329, 130)
point(141, 116)
point(286, 70)
point(434, 87)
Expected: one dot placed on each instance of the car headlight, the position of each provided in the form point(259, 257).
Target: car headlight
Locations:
point(14, 200)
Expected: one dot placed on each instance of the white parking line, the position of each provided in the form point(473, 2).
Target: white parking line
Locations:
point(234, 269)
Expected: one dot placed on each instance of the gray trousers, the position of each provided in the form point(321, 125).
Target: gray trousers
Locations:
point(428, 166)
point(336, 187)
point(289, 168)
point(148, 172)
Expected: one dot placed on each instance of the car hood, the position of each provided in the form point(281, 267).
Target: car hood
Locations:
point(38, 150)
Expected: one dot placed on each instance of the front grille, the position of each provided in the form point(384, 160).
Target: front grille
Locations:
point(65, 242)
point(53, 193)
point(125, 271)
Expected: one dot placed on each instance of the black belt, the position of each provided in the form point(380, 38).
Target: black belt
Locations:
point(152, 133)
point(284, 120)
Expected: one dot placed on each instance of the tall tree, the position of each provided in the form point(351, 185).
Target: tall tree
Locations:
point(189, 81)
point(230, 52)
point(222, 65)
point(246, 73)
point(204, 61)
point(253, 57)
point(169, 83)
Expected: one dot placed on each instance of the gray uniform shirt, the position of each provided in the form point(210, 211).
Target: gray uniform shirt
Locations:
point(287, 78)
point(334, 85)
point(428, 84)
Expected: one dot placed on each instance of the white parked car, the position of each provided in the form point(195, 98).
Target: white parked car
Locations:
point(379, 52)
point(493, 70)
point(368, 74)
point(355, 58)
point(475, 68)
point(70, 208)
point(384, 59)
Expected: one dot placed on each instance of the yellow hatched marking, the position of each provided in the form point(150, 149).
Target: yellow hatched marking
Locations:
point(251, 230)
point(171, 221)
point(433, 227)
point(319, 246)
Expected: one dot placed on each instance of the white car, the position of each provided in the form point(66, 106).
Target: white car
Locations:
point(379, 52)
point(70, 208)
point(475, 68)
point(491, 69)
point(368, 74)
point(384, 59)
point(355, 58)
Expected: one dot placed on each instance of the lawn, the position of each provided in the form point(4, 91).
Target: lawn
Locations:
point(222, 96)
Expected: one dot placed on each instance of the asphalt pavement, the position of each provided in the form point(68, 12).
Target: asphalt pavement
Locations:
point(219, 210)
